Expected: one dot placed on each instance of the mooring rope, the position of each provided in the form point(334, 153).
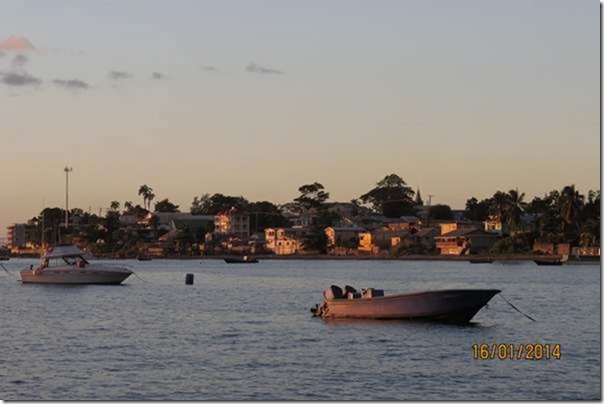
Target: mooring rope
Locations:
point(517, 309)
point(7, 271)
point(135, 274)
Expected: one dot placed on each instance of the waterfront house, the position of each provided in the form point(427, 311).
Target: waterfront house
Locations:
point(447, 226)
point(232, 223)
point(493, 224)
point(386, 237)
point(343, 236)
point(284, 241)
point(465, 240)
point(425, 237)
point(403, 223)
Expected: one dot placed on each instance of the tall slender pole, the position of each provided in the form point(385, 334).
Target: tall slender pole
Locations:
point(429, 205)
point(67, 171)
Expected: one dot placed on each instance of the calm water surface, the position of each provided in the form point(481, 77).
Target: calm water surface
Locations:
point(245, 332)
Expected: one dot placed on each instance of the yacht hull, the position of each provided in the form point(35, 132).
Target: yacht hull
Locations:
point(76, 276)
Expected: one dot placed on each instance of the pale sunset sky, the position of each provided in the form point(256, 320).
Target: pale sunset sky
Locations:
point(256, 98)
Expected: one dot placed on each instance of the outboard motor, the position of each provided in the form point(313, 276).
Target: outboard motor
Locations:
point(349, 289)
point(333, 292)
point(351, 293)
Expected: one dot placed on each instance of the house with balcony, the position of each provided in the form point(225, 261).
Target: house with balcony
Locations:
point(232, 223)
point(284, 241)
point(464, 241)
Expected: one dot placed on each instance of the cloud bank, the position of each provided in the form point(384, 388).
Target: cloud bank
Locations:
point(119, 75)
point(19, 79)
point(73, 84)
point(254, 68)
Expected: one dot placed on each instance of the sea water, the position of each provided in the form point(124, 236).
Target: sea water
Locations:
point(245, 332)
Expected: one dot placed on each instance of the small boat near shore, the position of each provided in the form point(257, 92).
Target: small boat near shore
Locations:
point(481, 261)
point(67, 265)
point(449, 305)
point(241, 260)
point(550, 262)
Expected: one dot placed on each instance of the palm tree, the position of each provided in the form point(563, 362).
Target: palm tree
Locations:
point(500, 206)
point(145, 191)
point(115, 206)
point(128, 206)
point(150, 197)
point(515, 208)
point(571, 205)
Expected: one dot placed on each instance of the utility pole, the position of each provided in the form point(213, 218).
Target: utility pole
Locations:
point(67, 171)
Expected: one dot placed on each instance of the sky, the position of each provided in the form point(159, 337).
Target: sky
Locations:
point(256, 98)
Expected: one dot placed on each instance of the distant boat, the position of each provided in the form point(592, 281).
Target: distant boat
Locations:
point(143, 257)
point(241, 260)
point(548, 262)
point(481, 261)
point(452, 305)
point(4, 257)
point(67, 265)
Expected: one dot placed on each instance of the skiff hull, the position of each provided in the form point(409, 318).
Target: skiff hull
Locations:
point(455, 306)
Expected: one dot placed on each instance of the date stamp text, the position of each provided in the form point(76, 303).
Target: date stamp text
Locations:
point(524, 352)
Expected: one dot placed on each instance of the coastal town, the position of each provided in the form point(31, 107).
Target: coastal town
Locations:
point(389, 221)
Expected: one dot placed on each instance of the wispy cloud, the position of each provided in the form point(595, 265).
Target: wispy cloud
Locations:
point(19, 79)
point(119, 75)
point(208, 68)
point(254, 68)
point(73, 84)
point(16, 43)
point(158, 76)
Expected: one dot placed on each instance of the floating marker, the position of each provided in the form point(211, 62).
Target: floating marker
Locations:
point(189, 279)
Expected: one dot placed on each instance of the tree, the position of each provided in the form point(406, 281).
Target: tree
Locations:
point(51, 220)
point(312, 196)
point(477, 211)
point(549, 223)
point(147, 193)
point(440, 212)
point(128, 207)
point(515, 208)
point(499, 206)
point(198, 205)
point(166, 206)
point(265, 214)
point(212, 205)
point(571, 204)
point(114, 206)
point(391, 197)
point(150, 197)
point(590, 218)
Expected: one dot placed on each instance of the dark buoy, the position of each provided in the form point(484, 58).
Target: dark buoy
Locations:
point(189, 279)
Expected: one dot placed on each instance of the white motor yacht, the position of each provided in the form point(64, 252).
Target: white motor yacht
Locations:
point(68, 265)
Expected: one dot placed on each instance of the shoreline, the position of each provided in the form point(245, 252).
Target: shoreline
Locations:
point(326, 257)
